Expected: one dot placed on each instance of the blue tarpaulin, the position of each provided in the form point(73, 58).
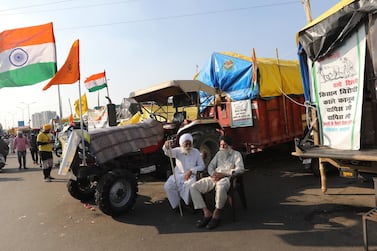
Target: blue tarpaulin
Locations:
point(304, 71)
point(231, 75)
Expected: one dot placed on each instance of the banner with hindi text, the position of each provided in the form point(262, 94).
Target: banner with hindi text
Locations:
point(337, 86)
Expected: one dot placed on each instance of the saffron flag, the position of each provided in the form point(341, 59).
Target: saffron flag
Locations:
point(84, 105)
point(255, 68)
point(70, 71)
point(27, 55)
point(96, 82)
point(71, 119)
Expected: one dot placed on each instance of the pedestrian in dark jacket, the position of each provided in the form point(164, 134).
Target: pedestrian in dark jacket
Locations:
point(34, 148)
point(4, 148)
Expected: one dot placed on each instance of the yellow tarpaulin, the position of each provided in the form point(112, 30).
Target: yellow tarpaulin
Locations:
point(276, 76)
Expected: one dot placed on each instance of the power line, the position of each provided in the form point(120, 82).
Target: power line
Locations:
point(185, 15)
point(61, 9)
point(35, 5)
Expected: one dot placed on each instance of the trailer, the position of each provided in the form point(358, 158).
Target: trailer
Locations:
point(258, 112)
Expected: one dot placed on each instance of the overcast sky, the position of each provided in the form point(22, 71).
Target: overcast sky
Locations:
point(145, 42)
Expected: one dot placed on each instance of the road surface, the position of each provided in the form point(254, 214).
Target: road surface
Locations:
point(286, 211)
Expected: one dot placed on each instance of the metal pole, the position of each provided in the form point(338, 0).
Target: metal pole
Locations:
point(28, 111)
point(82, 129)
point(107, 86)
point(60, 106)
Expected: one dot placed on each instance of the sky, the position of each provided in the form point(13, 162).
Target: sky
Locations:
point(140, 43)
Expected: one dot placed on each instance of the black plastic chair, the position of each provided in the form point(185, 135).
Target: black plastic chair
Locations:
point(237, 186)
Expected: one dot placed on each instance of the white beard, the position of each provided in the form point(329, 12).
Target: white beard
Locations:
point(186, 150)
point(223, 154)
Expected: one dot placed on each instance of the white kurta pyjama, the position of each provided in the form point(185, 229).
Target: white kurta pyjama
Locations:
point(228, 165)
point(184, 162)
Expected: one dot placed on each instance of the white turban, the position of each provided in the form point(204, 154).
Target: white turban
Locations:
point(185, 137)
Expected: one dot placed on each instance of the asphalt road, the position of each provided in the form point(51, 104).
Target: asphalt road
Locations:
point(286, 211)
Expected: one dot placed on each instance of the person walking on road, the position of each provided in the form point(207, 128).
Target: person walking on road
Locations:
point(188, 163)
point(21, 143)
point(4, 149)
point(34, 148)
point(45, 142)
point(11, 143)
point(225, 163)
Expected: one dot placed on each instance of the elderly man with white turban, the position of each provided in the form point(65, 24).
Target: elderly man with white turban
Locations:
point(188, 162)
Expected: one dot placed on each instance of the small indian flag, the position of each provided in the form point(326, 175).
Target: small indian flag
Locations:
point(96, 82)
point(27, 55)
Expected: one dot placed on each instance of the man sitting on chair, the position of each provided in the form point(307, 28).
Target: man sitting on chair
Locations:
point(188, 163)
point(225, 163)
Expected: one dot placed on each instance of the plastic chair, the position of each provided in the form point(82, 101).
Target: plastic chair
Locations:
point(237, 186)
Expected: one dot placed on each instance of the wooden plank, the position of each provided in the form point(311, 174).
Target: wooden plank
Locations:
point(326, 152)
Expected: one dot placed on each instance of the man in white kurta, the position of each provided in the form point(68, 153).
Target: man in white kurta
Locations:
point(188, 162)
point(225, 163)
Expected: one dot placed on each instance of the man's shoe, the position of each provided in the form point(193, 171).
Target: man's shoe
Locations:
point(47, 180)
point(214, 223)
point(25, 167)
point(51, 178)
point(203, 222)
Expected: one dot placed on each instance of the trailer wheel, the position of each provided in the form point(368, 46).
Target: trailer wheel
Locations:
point(208, 145)
point(116, 192)
point(81, 189)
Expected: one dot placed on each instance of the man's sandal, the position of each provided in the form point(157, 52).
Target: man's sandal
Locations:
point(213, 223)
point(203, 222)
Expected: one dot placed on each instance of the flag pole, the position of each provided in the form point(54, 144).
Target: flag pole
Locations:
point(97, 99)
point(82, 129)
point(107, 86)
point(70, 105)
point(60, 106)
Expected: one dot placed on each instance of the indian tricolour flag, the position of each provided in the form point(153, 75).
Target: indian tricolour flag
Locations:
point(96, 82)
point(27, 55)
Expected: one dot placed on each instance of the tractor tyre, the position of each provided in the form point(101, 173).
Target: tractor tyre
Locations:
point(116, 192)
point(81, 189)
point(208, 145)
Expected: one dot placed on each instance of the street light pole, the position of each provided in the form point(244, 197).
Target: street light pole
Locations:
point(11, 114)
point(28, 111)
point(22, 111)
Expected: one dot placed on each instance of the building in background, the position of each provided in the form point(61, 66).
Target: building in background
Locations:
point(41, 118)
